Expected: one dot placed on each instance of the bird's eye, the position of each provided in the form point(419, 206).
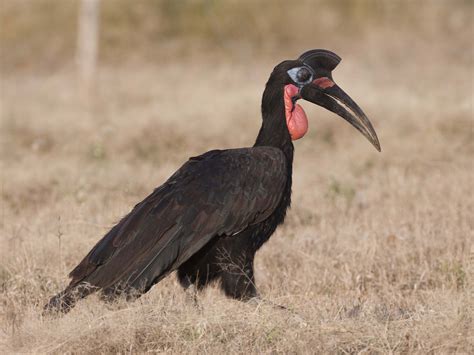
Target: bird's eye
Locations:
point(303, 75)
point(300, 75)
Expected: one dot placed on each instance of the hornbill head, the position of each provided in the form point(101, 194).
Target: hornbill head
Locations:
point(310, 78)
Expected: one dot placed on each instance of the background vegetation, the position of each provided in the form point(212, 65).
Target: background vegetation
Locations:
point(376, 254)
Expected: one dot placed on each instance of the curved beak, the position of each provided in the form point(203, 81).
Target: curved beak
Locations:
point(324, 92)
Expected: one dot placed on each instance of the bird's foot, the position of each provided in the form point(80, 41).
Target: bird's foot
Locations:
point(258, 301)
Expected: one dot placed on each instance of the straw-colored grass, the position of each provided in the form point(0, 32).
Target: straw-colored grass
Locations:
point(376, 255)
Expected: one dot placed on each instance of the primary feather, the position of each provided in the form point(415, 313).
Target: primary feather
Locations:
point(209, 196)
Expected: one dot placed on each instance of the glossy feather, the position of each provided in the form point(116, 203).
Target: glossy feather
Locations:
point(210, 195)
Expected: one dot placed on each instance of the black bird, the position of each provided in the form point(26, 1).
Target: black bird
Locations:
point(211, 216)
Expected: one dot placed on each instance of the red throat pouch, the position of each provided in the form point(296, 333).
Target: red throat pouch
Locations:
point(296, 119)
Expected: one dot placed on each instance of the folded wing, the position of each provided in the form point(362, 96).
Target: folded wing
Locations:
point(217, 193)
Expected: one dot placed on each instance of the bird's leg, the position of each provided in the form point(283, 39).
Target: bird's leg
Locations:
point(239, 283)
point(192, 297)
point(238, 277)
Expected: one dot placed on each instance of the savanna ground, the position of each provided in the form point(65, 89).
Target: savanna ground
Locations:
point(376, 255)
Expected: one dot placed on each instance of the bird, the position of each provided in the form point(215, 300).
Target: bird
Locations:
point(207, 221)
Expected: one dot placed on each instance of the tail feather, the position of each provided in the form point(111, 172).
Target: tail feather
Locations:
point(65, 300)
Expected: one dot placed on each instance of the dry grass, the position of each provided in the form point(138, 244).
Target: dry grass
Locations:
point(376, 255)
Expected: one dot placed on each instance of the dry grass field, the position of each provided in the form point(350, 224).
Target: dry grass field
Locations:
point(377, 252)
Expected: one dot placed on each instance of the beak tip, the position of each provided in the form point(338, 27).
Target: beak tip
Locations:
point(377, 146)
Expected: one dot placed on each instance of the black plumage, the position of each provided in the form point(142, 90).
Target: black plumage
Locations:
point(208, 219)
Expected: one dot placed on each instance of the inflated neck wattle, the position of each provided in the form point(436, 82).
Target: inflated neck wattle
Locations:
point(296, 119)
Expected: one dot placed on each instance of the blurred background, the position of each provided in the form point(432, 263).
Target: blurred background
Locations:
point(42, 34)
point(101, 101)
point(118, 57)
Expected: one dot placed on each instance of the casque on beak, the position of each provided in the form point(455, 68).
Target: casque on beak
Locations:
point(324, 92)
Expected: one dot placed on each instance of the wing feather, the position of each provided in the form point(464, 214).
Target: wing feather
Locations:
point(217, 193)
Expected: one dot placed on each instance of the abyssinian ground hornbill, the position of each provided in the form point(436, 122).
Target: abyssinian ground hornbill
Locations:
point(211, 216)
